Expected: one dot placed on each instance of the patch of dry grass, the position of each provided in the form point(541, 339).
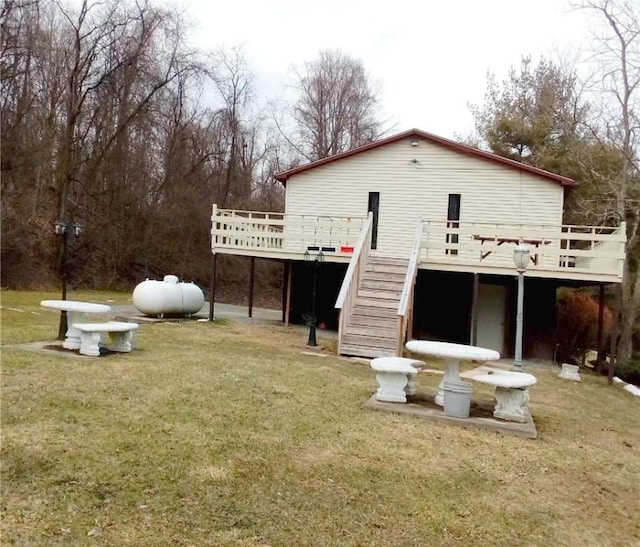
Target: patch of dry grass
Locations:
point(228, 435)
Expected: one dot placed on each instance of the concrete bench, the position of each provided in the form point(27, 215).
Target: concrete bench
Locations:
point(511, 393)
point(114, 335)
point(570, 372)
point(396, 378)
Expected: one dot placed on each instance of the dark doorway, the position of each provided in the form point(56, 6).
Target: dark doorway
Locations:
point(330, 277)
point(442, 306)
point(374, 206)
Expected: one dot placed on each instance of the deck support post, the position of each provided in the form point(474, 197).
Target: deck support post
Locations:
point(289, 283)
point(613, 354)
point(286, 290)
point(600, 335)
point(212, 285)
point(473, 330)
point(252, 267)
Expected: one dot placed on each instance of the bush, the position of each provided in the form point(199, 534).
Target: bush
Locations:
point(629, 371)
point(578, 324)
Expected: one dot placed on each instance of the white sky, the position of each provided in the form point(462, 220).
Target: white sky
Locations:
point(430, 58)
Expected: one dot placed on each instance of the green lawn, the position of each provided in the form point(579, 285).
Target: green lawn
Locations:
point(226, 434)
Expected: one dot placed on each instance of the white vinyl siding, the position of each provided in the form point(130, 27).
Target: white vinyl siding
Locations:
point(414, 182)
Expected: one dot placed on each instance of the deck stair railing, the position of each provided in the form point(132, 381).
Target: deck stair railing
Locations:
point(405, 308)
point(351, 281)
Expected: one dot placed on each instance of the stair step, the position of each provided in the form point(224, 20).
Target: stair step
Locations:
point(369, 341)
point(378, 333)
point(373, 259)
point(377, 303)
point(384, 285)
point(365, 351)
point(377, 322)
point(388, 268)
point(369, 311)
point(395, 277)
point(380, 294)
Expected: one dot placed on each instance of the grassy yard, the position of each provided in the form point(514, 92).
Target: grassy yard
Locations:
point(226, 434)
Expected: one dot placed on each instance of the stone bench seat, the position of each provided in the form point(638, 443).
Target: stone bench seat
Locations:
point(113, 335)
point(396, 378)
point(511, 393)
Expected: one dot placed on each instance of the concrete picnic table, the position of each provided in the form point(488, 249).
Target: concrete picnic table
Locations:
point(453, 354)
point(74, 308)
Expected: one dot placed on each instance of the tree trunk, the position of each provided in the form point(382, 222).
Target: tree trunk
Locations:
point(625, 344)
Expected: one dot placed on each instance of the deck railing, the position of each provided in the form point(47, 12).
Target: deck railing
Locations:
point(261, 231)
point(580, 252)
point(568, 248)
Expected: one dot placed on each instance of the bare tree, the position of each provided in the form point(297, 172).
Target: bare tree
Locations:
point(103, 122)
point(618, 128)
point(233, 81)
point(336, 109)
point(29, 103)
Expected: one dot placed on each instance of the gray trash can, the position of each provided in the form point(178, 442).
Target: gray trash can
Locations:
point(457, 398)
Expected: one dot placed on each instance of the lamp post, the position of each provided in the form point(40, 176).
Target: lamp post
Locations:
point(317, 260)
point(521, 260)
point(64, 229)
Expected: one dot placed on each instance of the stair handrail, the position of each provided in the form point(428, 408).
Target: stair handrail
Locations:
point(409, 284)
point(351, 280)
point(360, 254)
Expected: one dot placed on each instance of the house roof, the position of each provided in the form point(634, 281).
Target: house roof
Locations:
point(435, 139)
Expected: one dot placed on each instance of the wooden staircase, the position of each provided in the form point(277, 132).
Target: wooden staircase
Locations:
point(372, 328)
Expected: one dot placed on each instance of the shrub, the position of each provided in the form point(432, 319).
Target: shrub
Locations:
point(578, 324)
point(629, 371)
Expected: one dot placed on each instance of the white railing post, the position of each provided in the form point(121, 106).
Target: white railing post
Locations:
point(409, 284)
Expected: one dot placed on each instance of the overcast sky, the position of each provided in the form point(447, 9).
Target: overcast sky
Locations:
point(430, 58)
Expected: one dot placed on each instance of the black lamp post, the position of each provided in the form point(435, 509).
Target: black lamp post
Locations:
point(64, 229)
point(317, 260)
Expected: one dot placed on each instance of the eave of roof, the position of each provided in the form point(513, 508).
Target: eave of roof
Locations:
point(447, 143)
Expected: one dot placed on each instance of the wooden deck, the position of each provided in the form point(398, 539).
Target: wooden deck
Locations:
point(586, 253)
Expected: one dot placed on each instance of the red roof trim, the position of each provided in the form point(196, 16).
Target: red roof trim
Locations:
point(452, 145)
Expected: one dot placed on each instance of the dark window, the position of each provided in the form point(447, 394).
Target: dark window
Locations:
point(374, 205)
point(453, 217)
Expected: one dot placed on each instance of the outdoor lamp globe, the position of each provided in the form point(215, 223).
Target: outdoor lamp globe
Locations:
point(521, 256)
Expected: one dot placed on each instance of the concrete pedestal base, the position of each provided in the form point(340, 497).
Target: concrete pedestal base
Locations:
point(396, 378)
point(570, 372)
point(512, 404)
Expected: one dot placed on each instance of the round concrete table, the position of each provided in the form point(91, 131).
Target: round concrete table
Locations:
point(453, 354)
point(74, 309)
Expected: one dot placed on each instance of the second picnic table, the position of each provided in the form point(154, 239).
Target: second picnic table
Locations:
point(453, 354)
point(75, 309)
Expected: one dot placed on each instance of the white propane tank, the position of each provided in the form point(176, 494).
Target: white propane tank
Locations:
point(167, 297)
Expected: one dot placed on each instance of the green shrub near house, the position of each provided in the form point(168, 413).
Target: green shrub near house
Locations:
point(629, 371)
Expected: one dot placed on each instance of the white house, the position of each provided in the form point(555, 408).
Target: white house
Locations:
point(417, 234)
